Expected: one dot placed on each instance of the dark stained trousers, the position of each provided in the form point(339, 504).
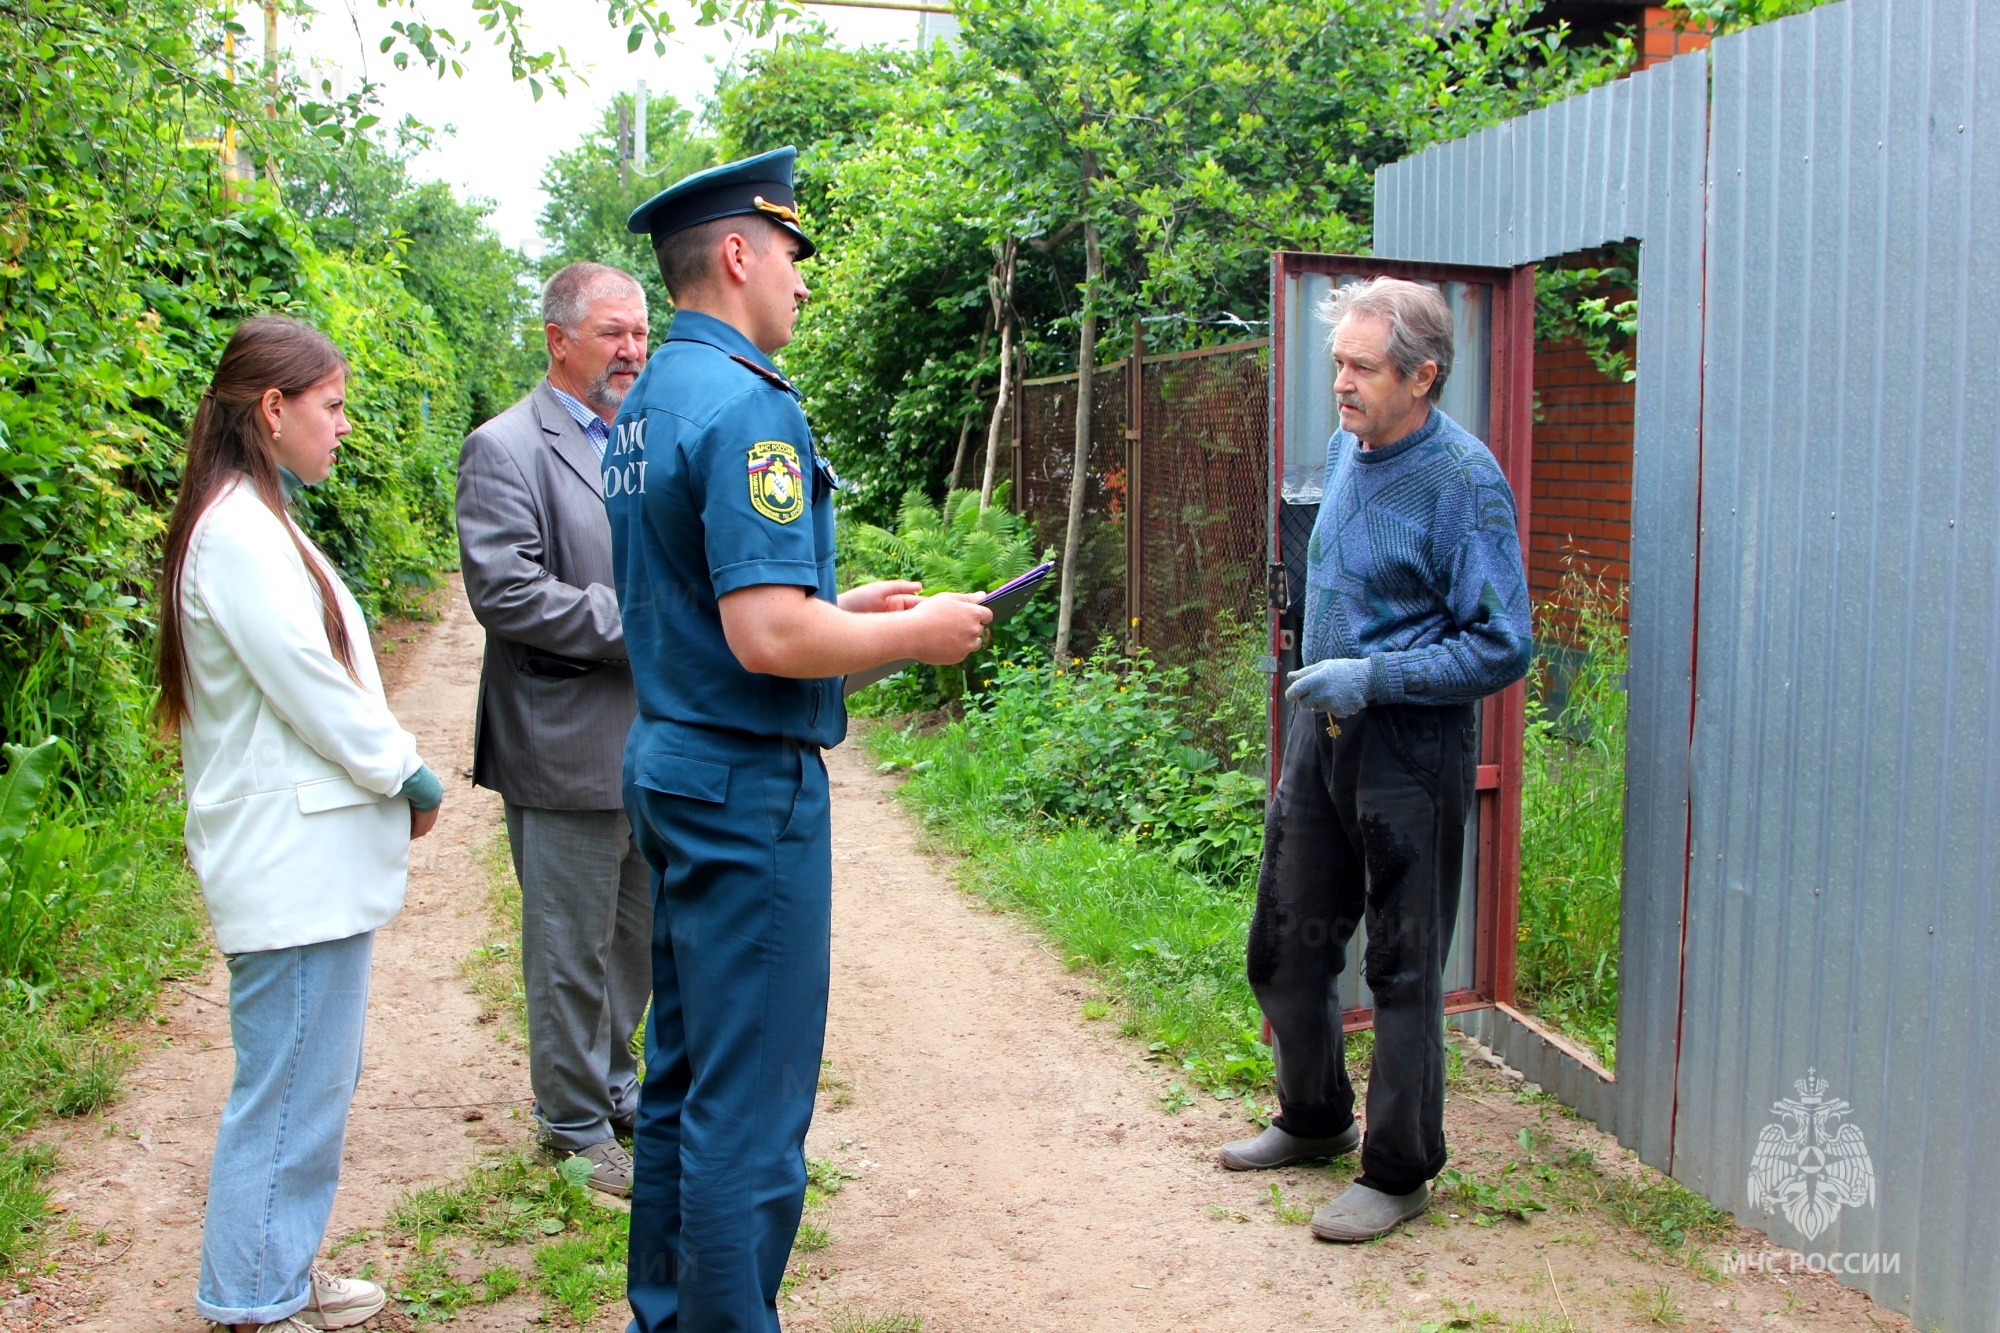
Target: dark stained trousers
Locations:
point(1367, 826)
point(736, 831)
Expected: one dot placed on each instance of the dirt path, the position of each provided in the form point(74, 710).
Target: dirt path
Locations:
point(137, 1175)
point(1013, 1166)
point(1015, 1170)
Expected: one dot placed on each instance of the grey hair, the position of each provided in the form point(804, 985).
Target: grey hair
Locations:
point(567, 295)
point(1420, 327)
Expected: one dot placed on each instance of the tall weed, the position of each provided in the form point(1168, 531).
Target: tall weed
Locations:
point(1573, 816)
point(54, 871)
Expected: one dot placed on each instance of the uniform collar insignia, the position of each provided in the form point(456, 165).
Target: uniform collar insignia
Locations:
point(766, 372)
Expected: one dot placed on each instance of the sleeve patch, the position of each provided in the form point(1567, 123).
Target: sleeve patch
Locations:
point(777, 482)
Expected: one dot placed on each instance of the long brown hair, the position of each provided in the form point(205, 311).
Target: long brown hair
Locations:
point(229, 440)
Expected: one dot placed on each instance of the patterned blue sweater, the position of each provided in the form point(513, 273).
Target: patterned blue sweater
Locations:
point(1415, 564)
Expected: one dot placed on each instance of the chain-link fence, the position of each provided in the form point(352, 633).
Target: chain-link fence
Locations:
point(1202, 477)
point(1185, 448)
point(1043, 430)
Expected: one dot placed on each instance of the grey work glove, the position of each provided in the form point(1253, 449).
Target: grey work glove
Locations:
point(1337, 686)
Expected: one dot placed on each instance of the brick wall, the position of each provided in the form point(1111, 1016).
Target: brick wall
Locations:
point(1582, 478)
point(1662, 36)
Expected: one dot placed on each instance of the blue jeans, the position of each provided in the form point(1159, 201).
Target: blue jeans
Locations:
point(296, 1017)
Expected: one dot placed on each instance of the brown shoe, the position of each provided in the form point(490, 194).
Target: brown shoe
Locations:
point(610, 1167)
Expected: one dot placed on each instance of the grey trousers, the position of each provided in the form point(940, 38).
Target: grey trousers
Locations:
point(586, 958)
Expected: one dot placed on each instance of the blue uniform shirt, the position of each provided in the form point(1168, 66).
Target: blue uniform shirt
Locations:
point(712, 484)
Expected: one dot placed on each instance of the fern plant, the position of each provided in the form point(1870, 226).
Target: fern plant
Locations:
point(952, 547)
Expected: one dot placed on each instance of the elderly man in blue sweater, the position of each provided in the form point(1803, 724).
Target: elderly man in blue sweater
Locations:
point(1416, 608)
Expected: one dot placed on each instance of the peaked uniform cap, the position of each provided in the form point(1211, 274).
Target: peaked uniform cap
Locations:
point(760, 184)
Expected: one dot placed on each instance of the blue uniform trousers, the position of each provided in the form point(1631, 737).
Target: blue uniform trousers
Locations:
point(736, 830)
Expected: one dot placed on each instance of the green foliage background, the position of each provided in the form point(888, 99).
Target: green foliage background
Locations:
point(1195, 139)
point(126, 259)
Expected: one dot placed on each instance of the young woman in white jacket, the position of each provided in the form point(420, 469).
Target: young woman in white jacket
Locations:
point(303, 795)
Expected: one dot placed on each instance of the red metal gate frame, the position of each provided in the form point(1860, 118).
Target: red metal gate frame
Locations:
point(1505, 714)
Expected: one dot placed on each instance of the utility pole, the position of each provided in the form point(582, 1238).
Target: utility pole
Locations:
point(624, 143)
point(271, 77)
point(640, 102)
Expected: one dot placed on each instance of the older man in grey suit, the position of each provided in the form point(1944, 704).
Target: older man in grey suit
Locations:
point(555, 703)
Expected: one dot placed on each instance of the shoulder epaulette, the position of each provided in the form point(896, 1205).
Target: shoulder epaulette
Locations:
point(766, 372)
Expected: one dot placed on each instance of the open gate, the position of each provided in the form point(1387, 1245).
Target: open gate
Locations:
point(1490, 393)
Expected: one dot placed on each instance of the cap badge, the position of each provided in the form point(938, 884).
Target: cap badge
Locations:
point(763, 205)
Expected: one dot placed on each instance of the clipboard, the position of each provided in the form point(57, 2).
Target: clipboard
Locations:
point(1004, 601)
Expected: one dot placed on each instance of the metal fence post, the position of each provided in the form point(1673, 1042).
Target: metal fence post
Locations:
point(1135, 452)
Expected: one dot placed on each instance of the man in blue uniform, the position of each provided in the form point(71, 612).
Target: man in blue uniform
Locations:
point(722, 537)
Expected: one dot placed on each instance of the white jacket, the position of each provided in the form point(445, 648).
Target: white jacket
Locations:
point(294, 824)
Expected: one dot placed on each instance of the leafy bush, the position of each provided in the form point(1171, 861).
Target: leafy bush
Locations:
point(1592, 304)
point(952, 547)
point(385, 515)
point(127, 256)
point(1573, 816)
point(1106, 742)
point(53, 872)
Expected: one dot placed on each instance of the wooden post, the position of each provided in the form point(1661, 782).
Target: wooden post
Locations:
point(271, 166)
point(1003, 306)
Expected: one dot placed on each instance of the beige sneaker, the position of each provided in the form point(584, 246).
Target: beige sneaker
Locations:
point(340, 1302)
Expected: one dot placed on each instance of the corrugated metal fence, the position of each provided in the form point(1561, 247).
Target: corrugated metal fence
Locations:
point(1810, 1022)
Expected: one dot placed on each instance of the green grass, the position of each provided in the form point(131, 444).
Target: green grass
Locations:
point(87, 933)
point(494, 968)
point(578, 1245)
point(429, 1289)
point(1550, 1175)
point(894, 1321)
point(1573, 820)
point(585, 1272)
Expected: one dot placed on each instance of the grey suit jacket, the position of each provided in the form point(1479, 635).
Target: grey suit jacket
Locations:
point(536, 549)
